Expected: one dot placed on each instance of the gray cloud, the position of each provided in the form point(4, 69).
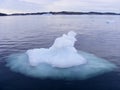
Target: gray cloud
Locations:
point(59, 5)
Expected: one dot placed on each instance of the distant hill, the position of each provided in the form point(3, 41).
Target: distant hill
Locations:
point(3, 14)
point(61, 13)
point(67, 13)
point(38, 13)
point(83, 13)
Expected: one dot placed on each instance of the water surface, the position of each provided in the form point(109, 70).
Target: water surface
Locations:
point(99, 35)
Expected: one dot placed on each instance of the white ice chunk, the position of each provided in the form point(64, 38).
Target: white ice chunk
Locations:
point(61, 54)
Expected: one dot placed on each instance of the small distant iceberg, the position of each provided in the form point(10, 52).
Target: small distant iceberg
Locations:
point(60, 61)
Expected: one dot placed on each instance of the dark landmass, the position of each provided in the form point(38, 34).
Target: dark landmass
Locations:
point(38, 13)
point(3, 14)
point(61, 13)
point(83, 13)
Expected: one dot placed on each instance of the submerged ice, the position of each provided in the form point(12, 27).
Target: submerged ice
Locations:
point(60, 61)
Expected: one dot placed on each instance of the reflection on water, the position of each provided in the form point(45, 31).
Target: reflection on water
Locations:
point(99, 35)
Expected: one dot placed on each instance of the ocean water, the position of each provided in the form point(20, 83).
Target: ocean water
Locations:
point(99, 35)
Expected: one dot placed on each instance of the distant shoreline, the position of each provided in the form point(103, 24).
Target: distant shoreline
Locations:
point(61, 13)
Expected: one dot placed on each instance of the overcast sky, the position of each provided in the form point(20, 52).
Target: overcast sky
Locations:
point(15, 6)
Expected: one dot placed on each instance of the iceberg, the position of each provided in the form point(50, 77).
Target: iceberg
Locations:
point(60, 61)
point(61, 54)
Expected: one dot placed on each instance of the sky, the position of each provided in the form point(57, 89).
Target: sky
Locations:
point(22, 6)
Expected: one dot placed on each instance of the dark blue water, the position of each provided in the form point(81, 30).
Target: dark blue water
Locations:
point(99, 35)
